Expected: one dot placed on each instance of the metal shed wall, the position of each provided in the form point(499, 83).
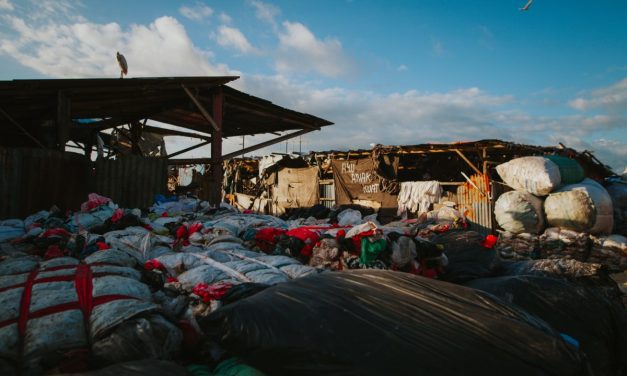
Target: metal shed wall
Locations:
point(478, 204)
point(132, 181)
point(35, 179)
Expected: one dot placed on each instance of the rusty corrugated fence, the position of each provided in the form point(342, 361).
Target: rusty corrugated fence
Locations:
point(131, 181)
point(476, 202)
point(36, 179)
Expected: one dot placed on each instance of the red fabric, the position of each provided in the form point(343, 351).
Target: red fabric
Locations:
point(58, 278)
point(64, 307)
point(56, 232)
point(27, 294)
point(153, 264)
point(148, 227)
point(489, 241)
point(164, 214)
point(84, 288)
point(181, 232)
point(307, 236)
point(102, 246)
point(117, 214)
point(53, 251)
point(208, 293)
point(265, 238)
point(94, 200)
point(194, 228)
point(171, 280)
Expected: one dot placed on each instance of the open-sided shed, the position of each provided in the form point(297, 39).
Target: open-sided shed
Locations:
point(55, 113)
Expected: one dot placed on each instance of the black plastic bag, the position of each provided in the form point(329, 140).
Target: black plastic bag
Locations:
point(376, 322)
point(467, 257)
point(572, 308)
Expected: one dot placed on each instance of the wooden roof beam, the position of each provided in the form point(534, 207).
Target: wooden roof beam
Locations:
point(200, 107)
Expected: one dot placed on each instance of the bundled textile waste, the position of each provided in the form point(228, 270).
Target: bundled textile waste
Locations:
point(575, 219)
point(213, 291)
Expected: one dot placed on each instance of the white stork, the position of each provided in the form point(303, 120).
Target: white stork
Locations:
point(527, 6)
point(123, 64)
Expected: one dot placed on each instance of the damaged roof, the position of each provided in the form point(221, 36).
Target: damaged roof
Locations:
point(100, 103)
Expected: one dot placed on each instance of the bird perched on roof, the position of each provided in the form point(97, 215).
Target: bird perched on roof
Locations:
point(122, 63)
point(527, 6)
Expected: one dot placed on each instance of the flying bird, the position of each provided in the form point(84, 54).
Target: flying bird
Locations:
point(122, 63)
point(527, 6)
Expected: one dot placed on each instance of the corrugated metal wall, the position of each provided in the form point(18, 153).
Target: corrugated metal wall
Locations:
point(131, 181)
point(35, 179)
point(477, 204)
point(327, 193)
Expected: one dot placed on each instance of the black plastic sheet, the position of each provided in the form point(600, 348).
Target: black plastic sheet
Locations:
point(376, 322)
point(575, 309)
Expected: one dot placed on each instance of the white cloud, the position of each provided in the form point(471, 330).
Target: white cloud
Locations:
point(197, 13)
point(88, 49)
point(613, 98)
point(234, 38)
point(300, 51)
point(225, 18)
point(265, 12)
point(6, 5)
point(401, 68)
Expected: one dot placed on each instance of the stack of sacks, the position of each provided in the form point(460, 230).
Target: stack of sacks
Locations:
point(582, 207)
point(520, 211)
point(572, 202)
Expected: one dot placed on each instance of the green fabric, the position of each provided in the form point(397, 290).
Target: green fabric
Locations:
point(198, 370)
point(570, 171)
point(370, 250)
point(235, 367)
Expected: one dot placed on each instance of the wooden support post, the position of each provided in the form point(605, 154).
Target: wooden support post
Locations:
point(216, 149)
point(64, 119)
point(467, 161)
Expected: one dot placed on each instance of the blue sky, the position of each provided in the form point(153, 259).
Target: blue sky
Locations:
point(390, 72)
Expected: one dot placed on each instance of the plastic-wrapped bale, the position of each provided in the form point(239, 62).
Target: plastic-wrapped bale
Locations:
point(236, 223)
point(582, 207)
point(378, 322)
point(230, 263)
point(535, 175)
point(571, 171)
point(518, 212)
point(467, 257)
point(577, 310)
point(610, 251)
point(62, 313)
point(523, 246)
point(139, 243)
point(11, 229)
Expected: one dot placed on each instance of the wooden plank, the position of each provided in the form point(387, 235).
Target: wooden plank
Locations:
point(188, 149)
point(202, 110)
point(468, 161)
point(217, 173)
point(173, 132)
point(267, 143)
